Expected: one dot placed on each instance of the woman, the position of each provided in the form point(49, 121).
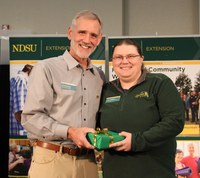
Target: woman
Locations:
point(147, 110)
point(14, 160)
point(178, 164)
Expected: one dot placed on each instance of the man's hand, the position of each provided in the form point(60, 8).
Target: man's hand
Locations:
point(78, 136)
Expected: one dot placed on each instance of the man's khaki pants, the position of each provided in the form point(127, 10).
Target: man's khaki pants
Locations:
point(50, 164)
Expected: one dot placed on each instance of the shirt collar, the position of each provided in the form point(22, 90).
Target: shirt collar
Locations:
point(90, 66)
point(72, 63)
point(117, 83)
point(24, 74)
point(143, 76)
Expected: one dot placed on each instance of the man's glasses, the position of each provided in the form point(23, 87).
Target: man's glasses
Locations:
point(129, 57)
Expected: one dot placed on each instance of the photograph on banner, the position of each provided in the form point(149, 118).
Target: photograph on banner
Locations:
point(19, 158)
point(18, 91)
point(187, 159)
point(186, 77)
point(25, 52)
point(179, 59)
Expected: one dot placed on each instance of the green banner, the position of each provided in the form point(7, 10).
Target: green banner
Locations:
point(39, 48)
point(165, 48)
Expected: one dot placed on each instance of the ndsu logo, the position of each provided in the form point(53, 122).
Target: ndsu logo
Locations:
point(24, 47)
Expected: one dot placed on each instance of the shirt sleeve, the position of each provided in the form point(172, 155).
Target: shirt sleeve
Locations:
point(19, 94)
point(36, 114)
point(171, 122)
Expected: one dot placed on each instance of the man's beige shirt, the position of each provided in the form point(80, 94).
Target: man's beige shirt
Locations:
point(61, 95)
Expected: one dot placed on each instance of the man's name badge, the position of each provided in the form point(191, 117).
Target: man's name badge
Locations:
point(68, 86)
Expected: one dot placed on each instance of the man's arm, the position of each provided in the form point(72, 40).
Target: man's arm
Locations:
point(39, 101)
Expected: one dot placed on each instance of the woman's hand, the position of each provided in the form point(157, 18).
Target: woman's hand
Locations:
point(124, 145)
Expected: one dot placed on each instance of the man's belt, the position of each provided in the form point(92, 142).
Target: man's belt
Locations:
point(63, 149)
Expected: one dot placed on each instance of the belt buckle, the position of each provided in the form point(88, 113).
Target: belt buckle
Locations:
point(87, 152)
point(79, 151)
point(83, 152)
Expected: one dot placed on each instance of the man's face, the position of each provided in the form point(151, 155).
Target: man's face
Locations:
point(84, 36)
point(191, 149)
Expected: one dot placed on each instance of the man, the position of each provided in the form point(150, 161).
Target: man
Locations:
point(194, 105)
point(18, 90)
point(62, 102)
point(191, 161)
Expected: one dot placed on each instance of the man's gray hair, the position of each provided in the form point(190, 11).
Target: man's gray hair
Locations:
point(88, 15)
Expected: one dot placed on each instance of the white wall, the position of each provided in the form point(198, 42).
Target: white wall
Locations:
point(120, 17)
point(160, 17)
point(53, 17)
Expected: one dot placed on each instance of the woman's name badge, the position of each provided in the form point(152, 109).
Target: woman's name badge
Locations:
point(113, 99)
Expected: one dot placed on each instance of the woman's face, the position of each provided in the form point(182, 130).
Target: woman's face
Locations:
point(179, 157)
point(127, 62)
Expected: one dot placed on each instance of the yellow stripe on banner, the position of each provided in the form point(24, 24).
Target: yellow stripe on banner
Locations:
point(23, 61)
point(191, 62)
point(98, 61)
point(35, 61)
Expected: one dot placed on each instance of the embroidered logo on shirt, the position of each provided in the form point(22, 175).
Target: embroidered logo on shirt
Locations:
point(143, 94)
point(113, 99)
point(68, 86)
